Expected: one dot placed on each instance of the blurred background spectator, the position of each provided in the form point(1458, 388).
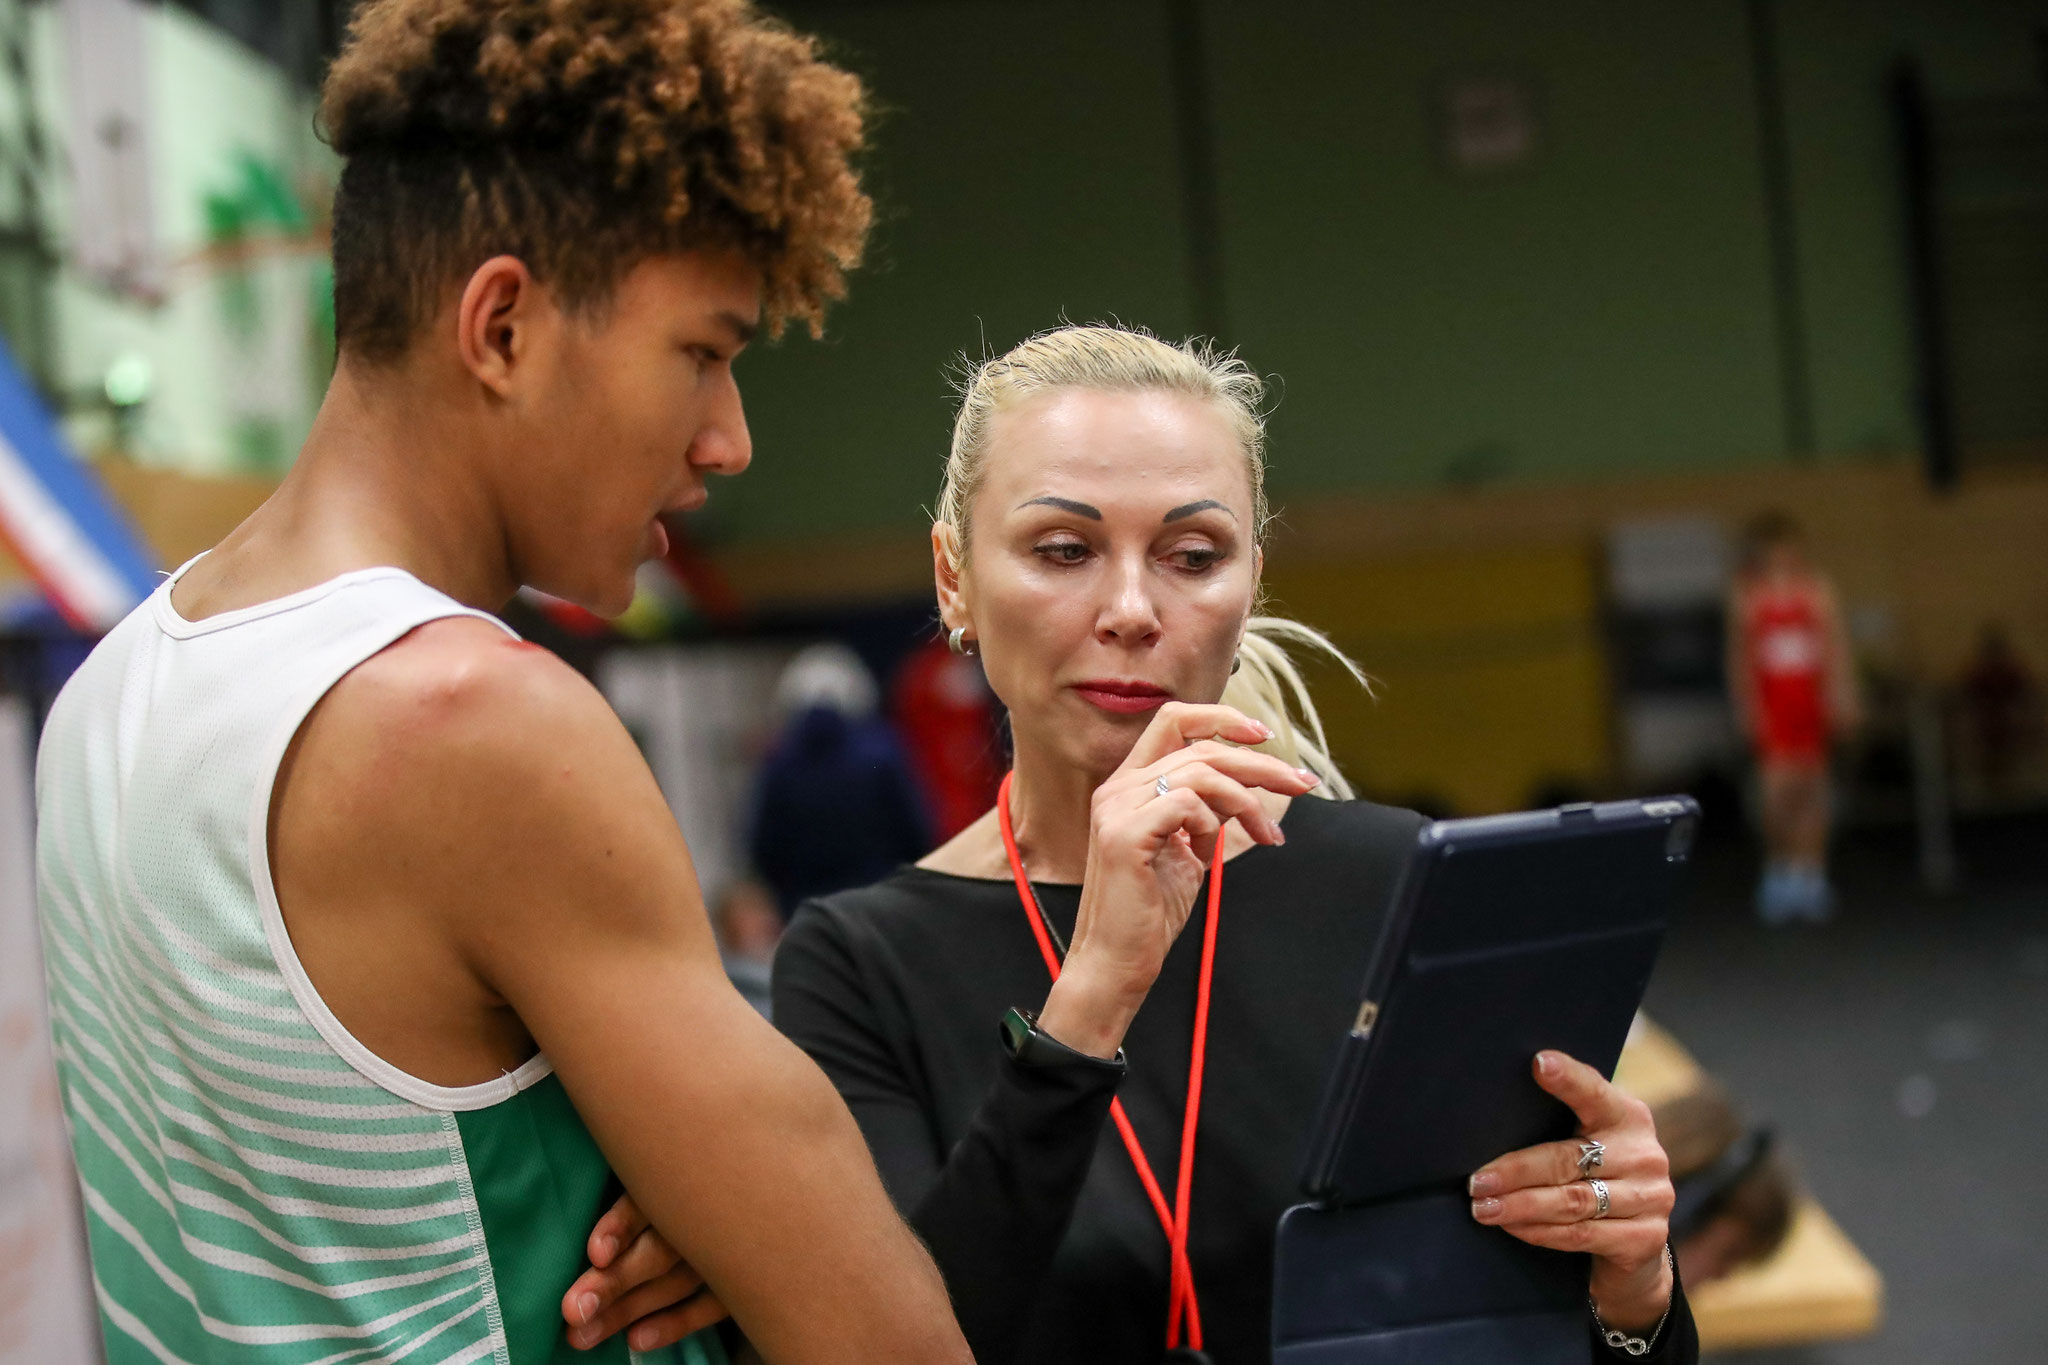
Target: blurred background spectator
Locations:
point(748, 923)
point(942, 705)
point(1792, 685)
point(2000, 700)
point(837, 806)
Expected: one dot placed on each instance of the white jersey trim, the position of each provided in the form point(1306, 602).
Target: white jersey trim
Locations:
point(177, 627)
point(403, 1084)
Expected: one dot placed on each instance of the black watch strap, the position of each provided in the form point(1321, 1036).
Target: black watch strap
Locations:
point(1029, 1045)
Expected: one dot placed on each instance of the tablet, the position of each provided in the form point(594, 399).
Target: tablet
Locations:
point(1508, 934)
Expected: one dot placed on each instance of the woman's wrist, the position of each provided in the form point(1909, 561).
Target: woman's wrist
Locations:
point(1087, 1014)
point(1633, 1301)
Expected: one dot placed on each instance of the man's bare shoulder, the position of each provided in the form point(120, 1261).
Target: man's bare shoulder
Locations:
point(460, 739)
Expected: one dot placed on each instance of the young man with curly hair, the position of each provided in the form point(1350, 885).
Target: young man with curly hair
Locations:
point(373, 947)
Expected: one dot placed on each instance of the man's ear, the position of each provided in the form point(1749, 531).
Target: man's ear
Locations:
point(493, 319)
point(946, 575)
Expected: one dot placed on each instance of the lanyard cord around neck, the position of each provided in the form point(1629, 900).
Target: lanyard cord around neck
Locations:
point(1174, 1220)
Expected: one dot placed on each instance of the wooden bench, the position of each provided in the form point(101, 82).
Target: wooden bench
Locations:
point(1816, 1287)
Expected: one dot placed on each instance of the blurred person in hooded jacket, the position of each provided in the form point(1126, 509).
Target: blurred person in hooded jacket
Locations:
point(836, 806)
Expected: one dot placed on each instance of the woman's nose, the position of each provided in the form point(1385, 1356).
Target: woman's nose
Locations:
point(1130, 615)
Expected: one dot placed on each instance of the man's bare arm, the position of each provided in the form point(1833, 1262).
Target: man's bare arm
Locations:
point(531, 829)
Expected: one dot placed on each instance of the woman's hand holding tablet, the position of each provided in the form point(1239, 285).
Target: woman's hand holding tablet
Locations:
point(1518, 948)
point(1544, 1196)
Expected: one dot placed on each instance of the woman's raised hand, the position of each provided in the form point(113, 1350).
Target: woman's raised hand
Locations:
point(1543, 1196)
point(1147, 851)
point(636, 1280)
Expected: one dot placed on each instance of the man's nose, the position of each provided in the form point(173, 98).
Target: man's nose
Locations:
point(724, 445)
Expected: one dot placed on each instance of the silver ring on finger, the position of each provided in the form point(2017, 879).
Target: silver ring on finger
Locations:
point(1161, 785)
point(1601, 1203)
point(1592, 1153)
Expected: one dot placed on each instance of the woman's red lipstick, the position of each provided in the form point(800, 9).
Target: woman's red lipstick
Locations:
point(1123, 698)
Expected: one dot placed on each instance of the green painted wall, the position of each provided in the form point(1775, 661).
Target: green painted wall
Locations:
point(1607, 308)
point(1024, 171)
point(1846, 200)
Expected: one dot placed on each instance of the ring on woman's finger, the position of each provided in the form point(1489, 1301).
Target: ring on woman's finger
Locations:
point(1601, 1203)
point(1592, 1152)
point(1161, 785)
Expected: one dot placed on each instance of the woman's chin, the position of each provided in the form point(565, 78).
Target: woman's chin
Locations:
point(1106, 742)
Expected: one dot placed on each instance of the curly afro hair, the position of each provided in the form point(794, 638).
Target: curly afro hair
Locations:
point(583, 136)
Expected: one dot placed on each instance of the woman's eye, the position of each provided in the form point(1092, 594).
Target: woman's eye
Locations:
point(1063, 551)
point(1198, 558)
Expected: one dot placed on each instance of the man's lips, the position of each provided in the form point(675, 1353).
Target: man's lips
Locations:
point(1123, 698)
point(662, 536)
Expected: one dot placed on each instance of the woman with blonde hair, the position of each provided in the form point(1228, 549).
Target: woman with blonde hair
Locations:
point(1099, 1178)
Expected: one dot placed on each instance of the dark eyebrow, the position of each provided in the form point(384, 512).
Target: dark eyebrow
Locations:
point(1079, 509)
point(743, 329)
point(1189, 509)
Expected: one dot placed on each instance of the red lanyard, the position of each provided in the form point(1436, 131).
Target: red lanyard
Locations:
point(1174, 1220)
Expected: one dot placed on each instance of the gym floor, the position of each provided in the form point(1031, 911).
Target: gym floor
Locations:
point(1902, 1053)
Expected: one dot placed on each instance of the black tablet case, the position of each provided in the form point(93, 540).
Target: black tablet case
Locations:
point(1547, 922)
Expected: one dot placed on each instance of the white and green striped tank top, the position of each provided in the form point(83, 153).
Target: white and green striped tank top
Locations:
point(258, 1186)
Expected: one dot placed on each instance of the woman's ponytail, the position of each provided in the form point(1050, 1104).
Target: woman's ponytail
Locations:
point(1268, 687)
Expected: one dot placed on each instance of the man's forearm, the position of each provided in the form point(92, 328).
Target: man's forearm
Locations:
point(745, 1158)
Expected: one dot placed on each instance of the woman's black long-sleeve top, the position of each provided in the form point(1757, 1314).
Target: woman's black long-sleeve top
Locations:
point(1012, 1174)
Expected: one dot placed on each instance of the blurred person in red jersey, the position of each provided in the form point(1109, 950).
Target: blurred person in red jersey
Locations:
point(1792, 682)
point(947, 717)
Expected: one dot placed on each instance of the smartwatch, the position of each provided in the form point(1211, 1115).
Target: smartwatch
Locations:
point(1029, 1045)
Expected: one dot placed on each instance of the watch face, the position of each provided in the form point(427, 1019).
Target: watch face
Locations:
point(1017, 1028)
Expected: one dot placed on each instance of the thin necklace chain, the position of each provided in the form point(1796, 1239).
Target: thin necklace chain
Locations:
point(1038, 909)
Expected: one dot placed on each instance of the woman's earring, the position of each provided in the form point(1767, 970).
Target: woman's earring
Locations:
point(956, 640)
point(1236, 662)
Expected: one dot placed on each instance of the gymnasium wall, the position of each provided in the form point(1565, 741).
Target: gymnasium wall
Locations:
point(235, 349)
point(1611, 305)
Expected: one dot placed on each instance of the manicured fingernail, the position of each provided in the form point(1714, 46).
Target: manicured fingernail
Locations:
point(1546, 1063)
point(1486, 1182)
point(582, 1338)
point(607, 1247)
point(586, 1307)
point(1279, 834)
point(641, 1338)
point(1485, 1209)
point(1308, 777)
point(1264, 728)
